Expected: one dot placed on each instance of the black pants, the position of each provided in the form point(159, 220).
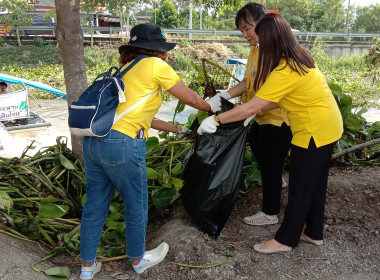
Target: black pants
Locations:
point(270, 144)
point(307, 193)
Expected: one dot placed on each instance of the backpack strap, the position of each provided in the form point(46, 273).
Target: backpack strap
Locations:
point(138, 103)
point(133, 64)
point(120, 91)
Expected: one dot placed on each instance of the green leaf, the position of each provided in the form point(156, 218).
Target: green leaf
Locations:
point(62, 272)
point(180, 106)
point(201, 116)
point(254, 175)
point(29, 228)
point(151, 173)
point(23, 105)
point(163, 197)
point(65, 162)
point(177, 183)
point(112, 224)
point(177, 169)
point(352, 123)
point(163, 176)
point(52, 211)
point(114, 216)
point(83, 199)
point(6, 201)
point(115, 207)
point(113, 237)
point(362, 111)
point(248, 155)
point(114, 252)
point(152, 144)
point(336, 90)
point(191, 118)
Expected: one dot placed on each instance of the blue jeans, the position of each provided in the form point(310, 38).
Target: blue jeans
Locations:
point(115, 161)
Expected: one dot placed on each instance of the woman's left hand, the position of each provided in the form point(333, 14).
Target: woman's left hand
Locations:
point(208, 125)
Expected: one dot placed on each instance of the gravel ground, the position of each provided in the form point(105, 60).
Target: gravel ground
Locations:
point(351, 250)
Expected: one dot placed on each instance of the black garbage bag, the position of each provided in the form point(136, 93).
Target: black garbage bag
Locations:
point(212, 177)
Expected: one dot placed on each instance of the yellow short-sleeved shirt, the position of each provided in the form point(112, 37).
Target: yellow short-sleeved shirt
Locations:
point(276, 116)
point(148, 75)
point(311, 107)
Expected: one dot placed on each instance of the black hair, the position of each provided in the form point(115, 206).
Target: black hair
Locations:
point(250, 13)
point(3, 84)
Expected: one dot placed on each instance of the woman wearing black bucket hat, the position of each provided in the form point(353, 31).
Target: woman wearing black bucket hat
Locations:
point(118, 159)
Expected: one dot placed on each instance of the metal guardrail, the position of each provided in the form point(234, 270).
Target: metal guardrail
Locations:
point(297, 33)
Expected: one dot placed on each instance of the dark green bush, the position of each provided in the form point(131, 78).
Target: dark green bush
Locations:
point(39, 42)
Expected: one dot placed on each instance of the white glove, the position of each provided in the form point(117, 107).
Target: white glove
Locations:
point(208, 126)
point(215, 102)
point(182, 129)
point(247, 120)
point(224, 94)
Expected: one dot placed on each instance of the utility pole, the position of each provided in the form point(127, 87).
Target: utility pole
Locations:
point(200, 17)
point(348, 14)
point(191, 18)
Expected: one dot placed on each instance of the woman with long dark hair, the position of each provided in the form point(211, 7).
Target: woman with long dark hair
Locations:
point(269, 136)
point(117, 161)
point(288, 77)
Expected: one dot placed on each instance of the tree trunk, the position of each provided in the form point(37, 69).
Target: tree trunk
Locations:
point(18, 36)
point(121, 27)
point(128, 27)
point(70, 39)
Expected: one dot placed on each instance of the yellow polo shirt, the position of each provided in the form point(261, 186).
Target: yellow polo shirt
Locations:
point(311, 107)
point(148, 75)
point(275, 116)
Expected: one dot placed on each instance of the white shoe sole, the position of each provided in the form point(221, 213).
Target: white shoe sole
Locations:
point(154, 257)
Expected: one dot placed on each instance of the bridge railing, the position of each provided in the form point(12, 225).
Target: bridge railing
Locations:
point(111, 30)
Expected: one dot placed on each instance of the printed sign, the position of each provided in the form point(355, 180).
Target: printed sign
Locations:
point(14, 105)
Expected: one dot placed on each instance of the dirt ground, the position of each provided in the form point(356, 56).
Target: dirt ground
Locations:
point(351, 250)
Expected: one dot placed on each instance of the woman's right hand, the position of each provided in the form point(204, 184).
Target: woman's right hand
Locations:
point(216, 103)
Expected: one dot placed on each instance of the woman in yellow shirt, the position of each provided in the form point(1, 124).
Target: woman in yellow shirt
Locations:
point(269, 137)
point(288, 77)
point(117, 161)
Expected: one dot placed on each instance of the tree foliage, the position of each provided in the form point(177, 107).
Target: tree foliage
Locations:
point(166, 15)
point(17, 15)
point(368, 19)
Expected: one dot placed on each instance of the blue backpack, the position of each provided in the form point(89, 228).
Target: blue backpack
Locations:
point(94, 113)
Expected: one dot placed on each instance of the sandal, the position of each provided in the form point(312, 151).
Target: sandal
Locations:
point(261, 219)
point(94, 269)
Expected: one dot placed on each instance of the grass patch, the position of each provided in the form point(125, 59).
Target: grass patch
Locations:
point(30, 55)
point(44, 64)
point(241, 50)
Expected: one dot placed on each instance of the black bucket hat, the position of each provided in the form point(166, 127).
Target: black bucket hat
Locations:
point(148, 36)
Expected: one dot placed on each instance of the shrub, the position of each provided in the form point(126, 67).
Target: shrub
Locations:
point(39, 42)
point(99, 57)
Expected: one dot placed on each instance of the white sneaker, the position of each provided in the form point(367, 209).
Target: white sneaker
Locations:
point(261, 219)
point(152, 257)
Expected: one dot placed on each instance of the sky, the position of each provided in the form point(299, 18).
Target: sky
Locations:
point(363, 3)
